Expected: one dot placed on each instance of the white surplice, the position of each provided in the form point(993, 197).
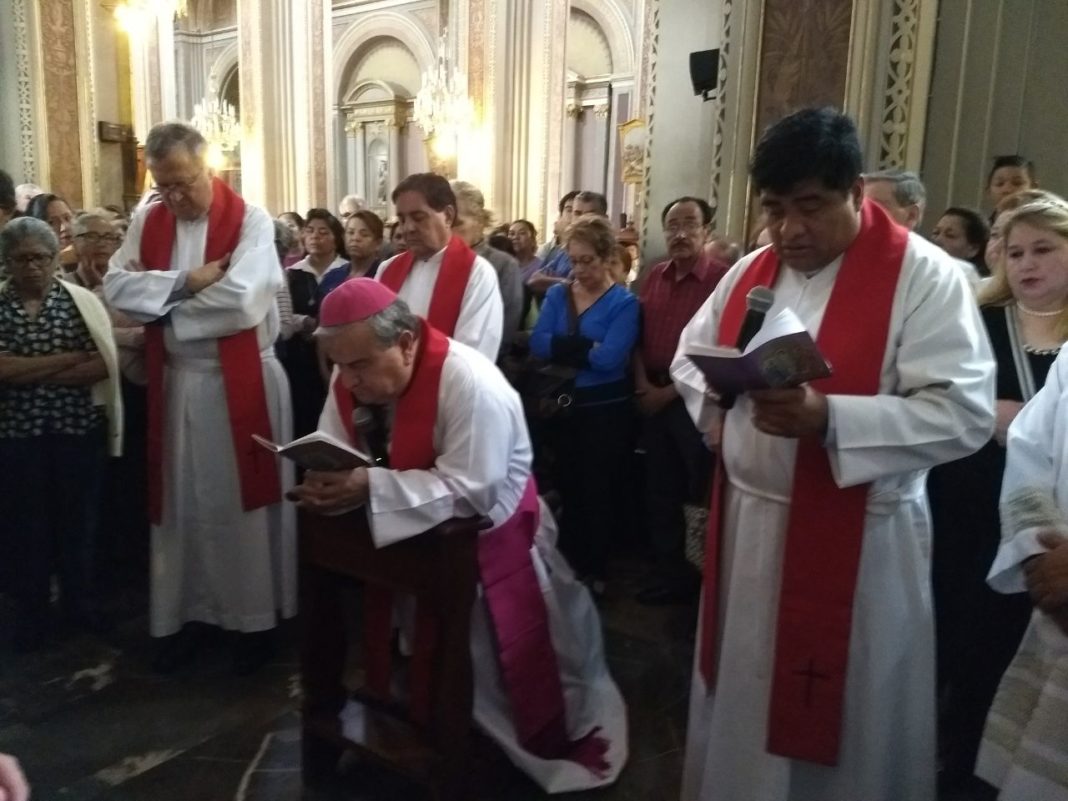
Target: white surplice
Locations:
point(935, 404)
point(1025, 743)
point(212, 561)
point(482, 468)
point(481, 320)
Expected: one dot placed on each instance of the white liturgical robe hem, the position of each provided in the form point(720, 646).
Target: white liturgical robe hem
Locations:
point(482, 467)
point(1024, 752)
point(481, 321)
point(935, 404)
point(1037, 455)
point(211, 560)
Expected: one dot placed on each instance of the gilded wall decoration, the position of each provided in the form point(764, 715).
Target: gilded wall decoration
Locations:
point(804, 57)
point(900, 83)
point(60, 78)
point(652, 33)
point(721, 111)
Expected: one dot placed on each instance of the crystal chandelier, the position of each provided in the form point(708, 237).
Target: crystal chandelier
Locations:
point(217, 121)
point(442, 106)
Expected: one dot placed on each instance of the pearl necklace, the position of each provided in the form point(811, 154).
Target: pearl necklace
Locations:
point(1036, 313)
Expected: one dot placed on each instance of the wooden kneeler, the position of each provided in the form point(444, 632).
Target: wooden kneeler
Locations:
point(440, 568)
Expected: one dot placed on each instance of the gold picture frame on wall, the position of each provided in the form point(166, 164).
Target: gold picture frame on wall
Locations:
point(632, 135)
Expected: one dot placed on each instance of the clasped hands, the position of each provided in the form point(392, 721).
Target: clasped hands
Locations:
point(334, 491)
point(1047, 578)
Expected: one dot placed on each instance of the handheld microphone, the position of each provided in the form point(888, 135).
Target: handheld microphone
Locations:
point(368, 422)
point(757, 303)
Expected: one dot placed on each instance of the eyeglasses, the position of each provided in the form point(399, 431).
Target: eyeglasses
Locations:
point(178, 186)
point(93, 238)
point(39, 260)
point(689, 227)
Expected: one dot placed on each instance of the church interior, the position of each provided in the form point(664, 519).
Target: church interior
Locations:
point(305, 103)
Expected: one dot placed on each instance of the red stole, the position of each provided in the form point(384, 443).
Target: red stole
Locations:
point(411, 448)
point(530, 672)
point(449, 288)
point(239, 354)
point(825, 528)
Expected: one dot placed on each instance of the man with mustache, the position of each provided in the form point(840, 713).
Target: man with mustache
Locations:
point(676, 460)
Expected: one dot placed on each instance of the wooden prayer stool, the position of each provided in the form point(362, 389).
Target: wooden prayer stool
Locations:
point(438, 567)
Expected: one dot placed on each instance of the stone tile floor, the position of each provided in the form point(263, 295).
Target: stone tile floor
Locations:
point(89, 720)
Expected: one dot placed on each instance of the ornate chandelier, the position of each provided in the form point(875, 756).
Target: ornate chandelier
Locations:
point(442, 106)
point(217, 121)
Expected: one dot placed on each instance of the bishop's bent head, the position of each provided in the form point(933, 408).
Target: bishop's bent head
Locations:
point(371, 336)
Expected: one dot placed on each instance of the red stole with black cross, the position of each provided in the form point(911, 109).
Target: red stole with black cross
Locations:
point(825, 528)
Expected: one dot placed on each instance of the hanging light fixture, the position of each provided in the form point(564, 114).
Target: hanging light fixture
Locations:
point(217, 121)
point(442, 106)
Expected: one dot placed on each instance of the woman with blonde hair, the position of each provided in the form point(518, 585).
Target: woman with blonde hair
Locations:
point(1011, 203)
point(1025, 309)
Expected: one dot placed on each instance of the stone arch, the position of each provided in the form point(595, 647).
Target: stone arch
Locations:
point(224, 64)
point(617, 28)
point(376, 26)
point(374, 90)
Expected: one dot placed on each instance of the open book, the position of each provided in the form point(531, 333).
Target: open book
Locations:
point(319, 451)
point(782, 354)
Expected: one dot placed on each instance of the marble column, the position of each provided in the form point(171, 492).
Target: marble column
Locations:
point(521, 84)
point(395, 174)
point(285, 108)
point(359, 161)
point(22, 150)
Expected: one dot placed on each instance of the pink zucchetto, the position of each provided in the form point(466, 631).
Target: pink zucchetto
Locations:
point(355, 300)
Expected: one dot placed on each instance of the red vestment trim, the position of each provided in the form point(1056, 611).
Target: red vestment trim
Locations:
point(449, 288)
point(825, 527)
point(530, 672)
point(239, 355)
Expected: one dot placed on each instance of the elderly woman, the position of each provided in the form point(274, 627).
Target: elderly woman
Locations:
point(60, 415)
point(124, 523)
point(590, 323)
point(1025, 309)
point(95, 241)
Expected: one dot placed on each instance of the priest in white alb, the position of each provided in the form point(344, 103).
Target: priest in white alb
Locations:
point(199, 268)
point(439, 276)
point(814, 674)
point(458, 447)
point(1024, 752)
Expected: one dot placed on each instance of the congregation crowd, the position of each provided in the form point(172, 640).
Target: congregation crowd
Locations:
point(899, 529)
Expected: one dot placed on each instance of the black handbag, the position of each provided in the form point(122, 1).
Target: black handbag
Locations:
point(547, 389)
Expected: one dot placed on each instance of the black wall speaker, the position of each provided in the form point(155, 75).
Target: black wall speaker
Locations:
point(704, 72)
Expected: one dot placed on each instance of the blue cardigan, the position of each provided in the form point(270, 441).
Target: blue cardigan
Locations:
point(611, 322)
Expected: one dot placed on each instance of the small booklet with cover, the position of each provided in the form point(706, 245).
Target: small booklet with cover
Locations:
point(782, 354)
point(319, 451)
